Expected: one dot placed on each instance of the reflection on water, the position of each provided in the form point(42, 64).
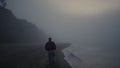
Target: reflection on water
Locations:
point(93, 57)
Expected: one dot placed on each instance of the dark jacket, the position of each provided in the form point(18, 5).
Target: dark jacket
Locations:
point(50, 45)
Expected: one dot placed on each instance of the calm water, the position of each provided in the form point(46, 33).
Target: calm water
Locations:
point(93, 56)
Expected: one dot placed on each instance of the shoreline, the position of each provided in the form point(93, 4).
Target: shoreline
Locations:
point(32, 56)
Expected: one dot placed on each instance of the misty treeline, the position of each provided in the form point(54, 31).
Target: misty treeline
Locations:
point(14, 30)
point(3, 3)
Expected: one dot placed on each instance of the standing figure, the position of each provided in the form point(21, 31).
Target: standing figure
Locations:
point(50, 46)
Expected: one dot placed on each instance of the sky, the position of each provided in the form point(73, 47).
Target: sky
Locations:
point(72, 20)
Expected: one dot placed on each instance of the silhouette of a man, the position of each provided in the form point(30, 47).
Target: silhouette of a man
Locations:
point(50, 46)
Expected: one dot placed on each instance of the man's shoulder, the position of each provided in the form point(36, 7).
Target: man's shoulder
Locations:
point(52, 42)
point(49, 42)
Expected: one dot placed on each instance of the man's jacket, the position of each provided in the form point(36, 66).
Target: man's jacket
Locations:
point(50, 46)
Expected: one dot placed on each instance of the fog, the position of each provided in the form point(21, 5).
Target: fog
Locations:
point(70, 20)
point(88, 23)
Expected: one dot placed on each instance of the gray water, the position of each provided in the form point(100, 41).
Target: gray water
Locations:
point(93, 56)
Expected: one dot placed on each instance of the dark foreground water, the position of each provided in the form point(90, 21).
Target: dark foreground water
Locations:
point(79, 56)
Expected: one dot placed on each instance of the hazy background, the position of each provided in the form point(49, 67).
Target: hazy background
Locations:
point(72, 20)
point(92, 26)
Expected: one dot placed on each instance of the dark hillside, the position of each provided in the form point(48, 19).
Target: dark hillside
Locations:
point(13, 30)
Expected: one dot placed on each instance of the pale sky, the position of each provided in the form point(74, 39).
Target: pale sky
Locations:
point(84, 6)
point(66, 19)
point(70, 7)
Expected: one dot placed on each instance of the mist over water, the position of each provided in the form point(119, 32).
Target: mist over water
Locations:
point(87, 57)
point(91, 27)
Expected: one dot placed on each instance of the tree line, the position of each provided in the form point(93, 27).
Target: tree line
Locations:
point(3, 3)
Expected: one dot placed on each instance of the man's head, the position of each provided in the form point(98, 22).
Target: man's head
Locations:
point(50, 39)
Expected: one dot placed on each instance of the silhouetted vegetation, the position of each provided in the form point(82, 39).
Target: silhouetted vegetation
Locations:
point(13, 30)
point(3, 3)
